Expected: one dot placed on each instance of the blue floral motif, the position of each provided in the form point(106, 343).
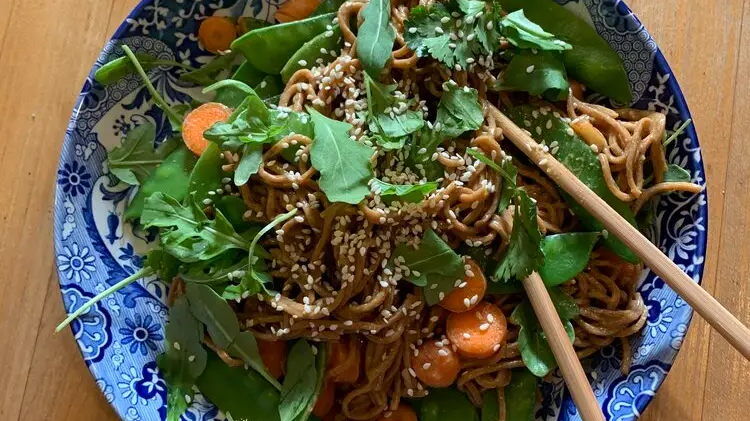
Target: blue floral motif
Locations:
point(659, 317)
point(73, 179)
point(678, 335)
point(127, 386)
point(76, 263)
point(128, 255)
point(106, 389)
point(629, 397)
point(150, 384)
point(92, 329)
point(141, 334)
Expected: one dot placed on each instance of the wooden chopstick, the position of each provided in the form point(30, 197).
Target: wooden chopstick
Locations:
point(701, 301)
point(562, 349)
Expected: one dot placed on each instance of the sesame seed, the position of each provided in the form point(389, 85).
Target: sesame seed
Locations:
point(489, 25)
point(412, 372)
point(191, 358)
point(549, 124)
point(543, 162)
point(496, 348)
point(441, 296)
point(466, 335)
point(443, 352)
point(445, 19)
point(413, 30)
point(439, 30)
point(426, 366)
point(605, 234)
point(484, 326)
point(490, 318)
point(530, 69)
point(594, 148)
point(467, 302)
point(176, 346)
point(470, 37)
point(302, 63)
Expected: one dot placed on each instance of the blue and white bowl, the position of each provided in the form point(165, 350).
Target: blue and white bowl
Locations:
point(120, 338)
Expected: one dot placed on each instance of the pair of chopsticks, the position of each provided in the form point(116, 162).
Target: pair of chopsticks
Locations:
point(701, 301)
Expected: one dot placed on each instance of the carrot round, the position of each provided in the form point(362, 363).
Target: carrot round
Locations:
point(478, 333)
point(402, 413)
point(436, 365)
point(216, 34)
point(198, 121)
point(325, 400)
point(273, 354)
point(469, 293)
point(344, 362)
point(295, 10)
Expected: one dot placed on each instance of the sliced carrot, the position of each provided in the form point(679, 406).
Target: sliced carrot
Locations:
point(478, 333)
point(344, 362)
point(402, 413)
point(436, 365)
point(198, 121)
point(467, 295)
point(216, 34)
point(295, 10)
point(273, 354)
point(325, 400)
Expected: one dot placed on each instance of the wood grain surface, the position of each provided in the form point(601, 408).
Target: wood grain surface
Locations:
point(46, 49)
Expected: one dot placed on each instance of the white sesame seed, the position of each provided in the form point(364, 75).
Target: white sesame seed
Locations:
point(496, 348)
point(530, 69)
point(439, 30)
point(445, 19)
point(441, 296)
point(466, 335)
point(467, 302)
point(176, 346)
point(490, 318)
point(605, 234)
point(484, 326)
point(443, 352)
point(426, 366)
point(302, 63)
point(191, 358)
point(413, 30)
point(489, 25)
point(412, 372)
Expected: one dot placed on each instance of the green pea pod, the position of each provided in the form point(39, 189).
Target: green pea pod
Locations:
point(306, 56)
point(566, 255)
point(243, 393)
point(521, 396)
point(171, 177)
point(576, 155)
point(447, 405)
point(270, 86)
point(206, 175)
point(591, 61)
point(269, 48)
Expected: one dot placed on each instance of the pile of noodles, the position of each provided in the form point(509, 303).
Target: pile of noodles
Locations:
point(332, 255)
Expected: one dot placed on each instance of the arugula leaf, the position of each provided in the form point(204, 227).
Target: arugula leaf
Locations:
point(408, 193)
point(256, 275)
point(186, 232)
point(535, 351)
point(435, 32)
point(299, 383)
point(522, 392)
point(437, 265)
point(392, 126)
point(523, 33)
point(676, 173)
point(252, 157)
point(135, 160)
point(459, 110)
point(164, 264)
point(541, 74)
point(524, 254)
point(177, 401)
point(344, 163)
point(375, 36)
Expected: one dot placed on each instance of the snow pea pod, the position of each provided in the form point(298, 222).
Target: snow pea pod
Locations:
point(312, 50)
point(269, 48)
point(206, 175)
point(576, 155)
point(447, 405)
point(566, 255)
point(591, 61)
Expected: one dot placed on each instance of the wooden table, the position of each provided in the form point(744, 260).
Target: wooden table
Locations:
point(46, 49)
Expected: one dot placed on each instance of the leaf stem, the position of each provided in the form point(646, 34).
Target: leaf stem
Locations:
point(158, 99)
point(114, 288)
point(677, 132)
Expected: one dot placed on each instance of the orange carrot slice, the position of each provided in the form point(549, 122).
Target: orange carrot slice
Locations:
point(198, 121)
point(402, 413)
point(478, 333)
point(344, 362)
point(296, 10)
point(436, 365)
point(273, 354)
point(216, 34)
point(469, 293)
point(325, 400)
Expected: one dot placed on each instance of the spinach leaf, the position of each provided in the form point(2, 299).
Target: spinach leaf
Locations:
point(344, 164)
point(116, 69)
point(375, 36)
point(447, 404)
point(242, 393)
point(209, 73)
point(269, 48)
point(459, 110)
point(407, 193)
point(535, 351)
point(252, 157)
point(300, 382)
point(490, 410)
point(170, 178)
point(270, 86)
point(520, 396)
point(523, 33)
point(233, 208)
point(206, 176)
point(327, 6)
point(135, 160)
point(436, 265)
point(317, 48)
point(524, 253)
point(676, 173)
point(566, 255)
point(541, 74)
point(386, 117)
point(186, 232)
point(184, 359)
point(164, 264)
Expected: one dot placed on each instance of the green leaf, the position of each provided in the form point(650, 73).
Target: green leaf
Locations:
point(206, 175)
point(437, 264)
point(390, 127)
point(299, 383)
point(523, 33)
point(566, 255)
point(676, 173)
point(170, 178)
point(680, 130)
point(242, 393)
point(524, 253)
point(321, 360)
point(245, 347)
point(270, 86)
point(252, 157)
point(214, 312)
point(233, 208)
point(135, 160)
point(120, 67)
point(447, 404)
point(541, 74)
point(490, 406)
point(375, 36)
point(164, 264)
point(343, 163)
point(520, 395)
point(535, 351)
point(308, 54)
point(186, 232)
point(507, 171)
point(176, 402)
point(407, 193)
point(459, 110)
point(210, 72)
point(184, 358)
